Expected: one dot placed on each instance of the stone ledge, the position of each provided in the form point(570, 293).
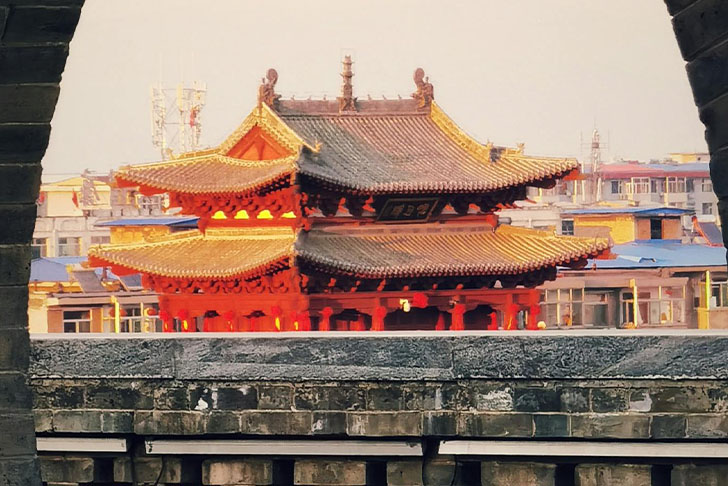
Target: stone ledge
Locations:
point(330, 357)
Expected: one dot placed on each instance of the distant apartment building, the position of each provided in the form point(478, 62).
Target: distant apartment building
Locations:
point(69, 211)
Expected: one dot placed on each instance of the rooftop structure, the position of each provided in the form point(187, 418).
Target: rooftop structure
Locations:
point(356, 211)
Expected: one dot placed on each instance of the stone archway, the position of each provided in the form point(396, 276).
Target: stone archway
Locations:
point(34, 38)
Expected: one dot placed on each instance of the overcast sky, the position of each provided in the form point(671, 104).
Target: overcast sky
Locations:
point(534, 71)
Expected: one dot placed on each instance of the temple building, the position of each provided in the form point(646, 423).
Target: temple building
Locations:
point(348, 214)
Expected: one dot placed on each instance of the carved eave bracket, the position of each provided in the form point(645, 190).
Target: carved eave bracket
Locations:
point(425, 93)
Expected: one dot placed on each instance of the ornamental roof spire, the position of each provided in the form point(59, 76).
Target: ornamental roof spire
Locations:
point(347, 102)
point(266, 91)
point(425, 93)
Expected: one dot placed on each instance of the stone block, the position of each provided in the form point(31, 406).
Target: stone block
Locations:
point(14, 392)
point(19, 222)
point(609, 400)
point(223, 423)
point(537, 400)
point(668, 427)
point(708, 74)
point(43, 420)
point(244, 397)
point(32, 64)
point(700, 26)
point(18, 434)
point(171, 398)
point(517, 473)
point(680, 399)
point(169, 423)
point(405, 473)
point(19, 183)
point(708, 426)
point(41, 24)
point(574, 400)
point(640, 400)
point(675, 6)
point(92, 421)
point(329, 423)
point(275, 397)
point(228, 472)
point(384, 424)
point(385, 397)
point(57, 395)
point(14, 302)
point(26, 103)
point(20, 471)
point(439, 424)
point(551, 425)
point(700, 474)
point(324, 472)
point(23, 142)
point(14, 347)
point(67, 469)
point(613, 474)
point(274, 422)
point(487, 397)
point(616, 426)
point(716, 124)
point(15, 266)
point(317, 397)
point(149, 470)
point(495, 425)
point(119, 395)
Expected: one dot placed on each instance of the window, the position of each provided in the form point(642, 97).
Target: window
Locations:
point(69, 246)
point(567, 227)
point(39, 248)
point(675, 184)
point(718, 294)
point(655, 306)
point(563, 308)
point(655, 229)
point(149, 203)
point(640, 185)
point(707, 208)
point(77, 321)
point(707, 185)
point(657, 186)
point(616, 187)
point(100, 240)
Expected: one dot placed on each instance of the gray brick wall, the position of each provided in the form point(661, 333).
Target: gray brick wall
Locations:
point(34, 37)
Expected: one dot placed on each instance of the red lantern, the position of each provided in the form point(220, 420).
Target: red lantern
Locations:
point(122, 312)
point(150, 311)
point(325, 322)
point(419, 300)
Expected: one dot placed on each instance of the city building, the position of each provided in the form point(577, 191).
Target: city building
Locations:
point(348, 214)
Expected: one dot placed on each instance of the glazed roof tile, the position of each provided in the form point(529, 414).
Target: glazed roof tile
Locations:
point(364, 253)
point(386, 148)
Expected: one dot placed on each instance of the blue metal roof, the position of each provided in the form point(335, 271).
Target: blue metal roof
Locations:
point(179, 221)
point(636, 210)
point(663, 254)
point(54, 269)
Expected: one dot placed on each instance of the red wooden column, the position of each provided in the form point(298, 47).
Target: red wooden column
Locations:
point(457, 312)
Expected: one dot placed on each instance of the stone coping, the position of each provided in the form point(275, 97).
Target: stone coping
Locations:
point(387, 356)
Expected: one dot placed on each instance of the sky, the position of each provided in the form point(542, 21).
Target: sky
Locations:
point(545, 73)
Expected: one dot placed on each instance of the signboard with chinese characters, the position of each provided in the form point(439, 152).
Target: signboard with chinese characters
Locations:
point(408, 210)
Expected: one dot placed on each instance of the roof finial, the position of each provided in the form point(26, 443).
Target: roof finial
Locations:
point(425, 91)
point(266, 91)
point(347, 102)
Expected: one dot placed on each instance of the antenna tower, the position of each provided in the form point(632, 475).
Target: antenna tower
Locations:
point(176, 120)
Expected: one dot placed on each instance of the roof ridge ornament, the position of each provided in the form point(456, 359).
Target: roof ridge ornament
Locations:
point(347, 102)
point(425, 93)
point(266, 91)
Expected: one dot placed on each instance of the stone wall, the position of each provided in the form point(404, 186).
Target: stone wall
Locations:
point(34, 37)
point(419, 389)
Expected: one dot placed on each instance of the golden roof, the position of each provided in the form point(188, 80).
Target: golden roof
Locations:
point(386, 147)
point(368, 253)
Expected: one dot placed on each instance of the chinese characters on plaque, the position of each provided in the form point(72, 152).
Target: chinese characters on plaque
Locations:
point(403, 210)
